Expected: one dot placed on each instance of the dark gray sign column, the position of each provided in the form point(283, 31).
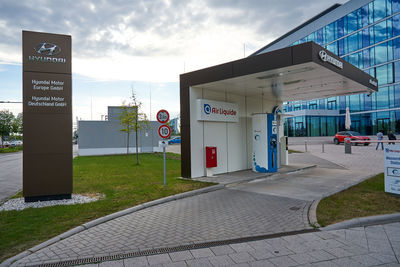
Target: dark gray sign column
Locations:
point(47, 116)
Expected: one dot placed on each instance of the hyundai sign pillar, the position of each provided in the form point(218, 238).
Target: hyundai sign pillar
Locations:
point(47, 116)
point(264, 143)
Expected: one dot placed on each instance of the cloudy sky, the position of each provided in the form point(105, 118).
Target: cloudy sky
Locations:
point(143, 45)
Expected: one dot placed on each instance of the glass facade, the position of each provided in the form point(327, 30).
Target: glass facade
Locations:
point(368, 38)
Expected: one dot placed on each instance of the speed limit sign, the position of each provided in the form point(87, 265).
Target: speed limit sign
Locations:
point(164, 131)
point(163, 116)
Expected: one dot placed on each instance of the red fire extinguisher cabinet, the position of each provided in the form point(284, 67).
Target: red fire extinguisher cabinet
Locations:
point(211, 156)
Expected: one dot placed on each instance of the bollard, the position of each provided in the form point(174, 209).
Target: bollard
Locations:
point(305, 145)
point(347, 146)
point(323, 148)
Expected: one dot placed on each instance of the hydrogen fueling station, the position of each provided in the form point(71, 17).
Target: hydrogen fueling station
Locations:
point(231, 117)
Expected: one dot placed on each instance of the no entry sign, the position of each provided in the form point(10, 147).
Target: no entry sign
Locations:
point(164, 131)
point(163, 116)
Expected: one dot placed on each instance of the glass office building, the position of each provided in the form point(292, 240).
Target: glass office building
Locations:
point(366, 34)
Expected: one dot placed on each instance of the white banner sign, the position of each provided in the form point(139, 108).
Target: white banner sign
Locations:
point(392, 169)
point(210, 110)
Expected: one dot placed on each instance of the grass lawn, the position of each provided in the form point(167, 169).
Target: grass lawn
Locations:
point(365, 199)
point(123, 183)
point(10, 149)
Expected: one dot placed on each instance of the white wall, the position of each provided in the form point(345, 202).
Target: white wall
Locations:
point(233, 140)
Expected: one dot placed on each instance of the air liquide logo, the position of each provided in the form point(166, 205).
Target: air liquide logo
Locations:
point(207, 109)
point(327, 58)
point(46, 52)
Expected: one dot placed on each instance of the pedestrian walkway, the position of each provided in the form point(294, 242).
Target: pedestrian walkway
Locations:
point(220, 215)
point(370, 246)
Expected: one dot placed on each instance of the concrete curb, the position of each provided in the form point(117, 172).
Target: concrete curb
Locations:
point(109, 217)
point(312, 214)
point(364, 221)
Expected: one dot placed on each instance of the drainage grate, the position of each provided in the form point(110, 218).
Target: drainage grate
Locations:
point(154, 251)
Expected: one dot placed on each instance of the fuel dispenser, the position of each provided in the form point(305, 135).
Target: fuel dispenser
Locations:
point(265, 142)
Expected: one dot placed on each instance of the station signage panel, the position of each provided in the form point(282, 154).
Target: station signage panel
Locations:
point(210, 110)
point(47, 116)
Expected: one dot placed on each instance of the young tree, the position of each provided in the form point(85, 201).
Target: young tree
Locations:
point(6, 124)
point(17, 124)
point(133, 120)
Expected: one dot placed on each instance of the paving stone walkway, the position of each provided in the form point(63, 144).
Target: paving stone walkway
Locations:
point(219, 215)
point(369, 246)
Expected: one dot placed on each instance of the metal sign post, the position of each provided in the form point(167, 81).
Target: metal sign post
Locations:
point(165, 132)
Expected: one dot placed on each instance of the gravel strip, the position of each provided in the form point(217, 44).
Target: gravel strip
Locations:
point(20, 204)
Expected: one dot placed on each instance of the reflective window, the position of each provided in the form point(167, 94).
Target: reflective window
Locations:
point(388, 7)
point(379, 9)
point(381, 53)
point(352, 21)
point(380, 32)
point(382, 98)
point(395, 7)
point(333, 48)
point(396, 25)
point(365, 38)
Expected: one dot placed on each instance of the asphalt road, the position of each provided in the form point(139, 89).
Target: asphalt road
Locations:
point(10, 174)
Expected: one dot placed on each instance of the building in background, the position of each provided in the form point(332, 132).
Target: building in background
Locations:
point(365, 33)
point(175, 127)
point(105, 137)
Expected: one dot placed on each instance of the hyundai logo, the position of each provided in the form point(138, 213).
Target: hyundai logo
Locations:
point(322, 55)
point(47, 49)
point(207, 109)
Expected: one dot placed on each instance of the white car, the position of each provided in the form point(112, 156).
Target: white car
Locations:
point(15, 143)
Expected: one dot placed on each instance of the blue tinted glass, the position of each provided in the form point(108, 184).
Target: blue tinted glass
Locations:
point(367, 102)
point(391, 97)
point(364, 16)
point(389, 28)
point(352, 42)
point(397, 96)
point(340, 27)
point(388, 7)
point(352, 21)
point(320, 37)
point(354, 103)
point(341, 47)
point(342, 102)
point(353, 59)
point(372, 56)
point(366, 58)
point(390, 73)
point(396, 25)
point(333, 48)
point(382, 98)
point(382, 74)
point(371, 12)
point(379, 9)
point(330, 32)
point(396, 48)
point(397, 72)
point(322, 103)
point(380, 32)
point(395, 6)
point(365, 37)
point(390, 50)
point(360, 60)
point(381, 54)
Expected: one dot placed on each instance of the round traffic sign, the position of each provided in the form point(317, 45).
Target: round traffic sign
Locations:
point(164, 131)
point(163, 116)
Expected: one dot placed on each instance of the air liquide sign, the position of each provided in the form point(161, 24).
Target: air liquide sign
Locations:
point(327, 58)
point(209, 110)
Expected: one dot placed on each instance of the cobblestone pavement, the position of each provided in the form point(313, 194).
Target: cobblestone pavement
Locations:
point(219, 215)
point(369, 246)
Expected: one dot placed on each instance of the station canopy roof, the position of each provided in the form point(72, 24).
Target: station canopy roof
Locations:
point(302, 72)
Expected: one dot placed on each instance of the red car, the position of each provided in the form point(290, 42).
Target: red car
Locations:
point(355, 136)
